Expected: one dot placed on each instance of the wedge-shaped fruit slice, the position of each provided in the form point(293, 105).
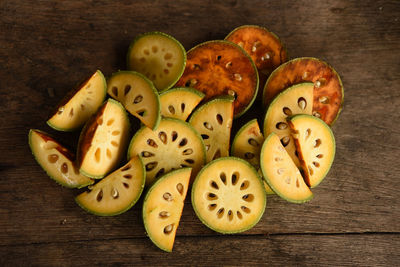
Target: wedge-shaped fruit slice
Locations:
point(228, 195)
point(294, 100)
point(117, 192)
point(328, 88)
point(222, 68)
point(247, 145)
point(280, 172)
point(163, 205)
point(263, 46)
point(138, 95)
point(173, 145)
point(179, 102)
point(159, 56)
point(103, 140)
point(56, 160)
point(213, 121)
point(315, 143)
point(77, 107)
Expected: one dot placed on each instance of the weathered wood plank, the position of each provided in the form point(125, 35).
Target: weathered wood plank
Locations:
point(292, 250)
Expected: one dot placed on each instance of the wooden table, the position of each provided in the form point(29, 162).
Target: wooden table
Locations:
point(46, 47)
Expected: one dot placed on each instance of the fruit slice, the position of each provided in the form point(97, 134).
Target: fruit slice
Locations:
point(328, 88)
point(77, 107)
point(228, 195)
point(315, 143)
point(294, 100)
point(263, 46)
point(159, 56)
point(222, 68)
point(56, 160)
point(117, 192)
point(138, 96)
point(280, 172)
point(103, 140)
point(173, 145)
point(213, 121)
point(179, 102)
point(247, 145)
point(163, 205)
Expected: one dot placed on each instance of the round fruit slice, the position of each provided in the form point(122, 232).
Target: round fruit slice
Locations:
point(247, 145)
point(159, 56)
point(163, 205)
point(179, 102)
point(222, 68)
point(138, 96)
point(280, 172)
point(77, 107)
point(56, 160)
point(228, 195)
point(294, 100)
point(328, 88)
point(117, 192)
point(213, 121)
point(173, 145)
point(315, 143)
point(103, 140)
point(263, 46)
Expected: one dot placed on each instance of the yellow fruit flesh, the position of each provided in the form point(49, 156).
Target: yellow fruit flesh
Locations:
point(289, 102)
point(213, 121)
point(281, 173)
point(81, 106)
point(163, 205)
point(56, 164)
point(117, 192)
point(179, 102)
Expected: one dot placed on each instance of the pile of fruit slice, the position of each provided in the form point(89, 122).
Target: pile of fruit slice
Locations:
point(187, 104)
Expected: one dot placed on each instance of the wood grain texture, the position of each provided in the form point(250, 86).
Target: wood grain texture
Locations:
point(47, 47)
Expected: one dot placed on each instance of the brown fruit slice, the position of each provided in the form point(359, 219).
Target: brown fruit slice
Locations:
point(56, 160)
point(213, 121)
point(328, 88)
point(103, 140)
point(222, 68)
point(263, 46)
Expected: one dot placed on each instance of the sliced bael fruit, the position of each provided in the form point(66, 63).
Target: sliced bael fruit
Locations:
point(77, 107)
point(173, 145)
point(213, 121)
point(328, 88)
point(222, 68)
point(280, 172)
point(56, 160)
point(179, 102)
point(297, 99)
point(159, 56)
point(138, 95)
point(315, 143)
point(247, 145)
point(263, 46)
point(163, 205)
point(103, 140)
point(117, 192)
point(228, 195)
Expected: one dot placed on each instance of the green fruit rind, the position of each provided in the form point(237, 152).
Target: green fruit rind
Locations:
point(148, 193)
point(78, 185)
point(164, 35)
point(128, 207)
point(261, 185)
point(78, 127)
point(267, 179)
point(154, 89)
point(81, 136)
point(329, 130)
